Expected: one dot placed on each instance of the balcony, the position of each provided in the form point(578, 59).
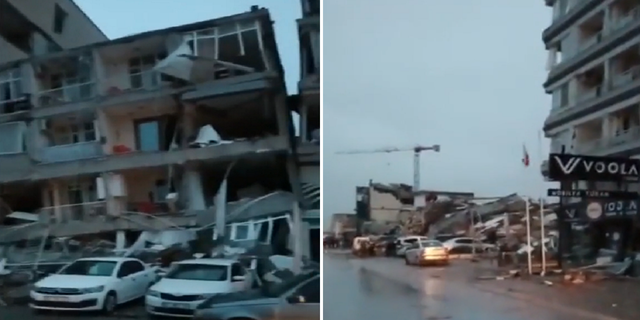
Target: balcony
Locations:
point(591, 41)
point(589, 94)
point(71, 152)
point(72, 212)
point(625, 20)
point(67, 94)
point(625, 78)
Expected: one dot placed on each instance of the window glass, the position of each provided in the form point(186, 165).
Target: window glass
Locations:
point(464, 241)
point(242, 232)
point(90, 268)
point(200, 272)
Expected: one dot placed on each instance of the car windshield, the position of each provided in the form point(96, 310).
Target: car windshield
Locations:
point(90, 268)
point(280, 288)
point(199, 272)
point(431, 244)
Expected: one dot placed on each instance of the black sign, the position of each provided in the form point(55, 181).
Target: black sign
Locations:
point(594, 194)
point(578, 167)
point(599, 210)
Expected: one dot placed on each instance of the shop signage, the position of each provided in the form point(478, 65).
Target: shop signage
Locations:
point(565, 167)
point(600, 210)
point(594, 194)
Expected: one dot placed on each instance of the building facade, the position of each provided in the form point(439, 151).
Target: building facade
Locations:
point(594, 76)
point(307, 104)
point(35, 27)
point(106, 136)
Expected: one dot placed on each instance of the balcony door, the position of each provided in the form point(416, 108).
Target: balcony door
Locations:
point(148, 135)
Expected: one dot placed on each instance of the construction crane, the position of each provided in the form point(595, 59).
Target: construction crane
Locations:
point(416, 158)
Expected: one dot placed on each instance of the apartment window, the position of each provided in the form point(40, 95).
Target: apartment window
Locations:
point(148, 135)
point(82, 132)
point(10, 90)
point(241, 232)
point(59, 19)
point(71, 85)
point(564, 95)
point(141, 74)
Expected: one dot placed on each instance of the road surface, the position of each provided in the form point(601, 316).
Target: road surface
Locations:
point(352, 290)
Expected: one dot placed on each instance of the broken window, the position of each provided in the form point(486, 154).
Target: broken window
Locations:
point(10, 91)
point(141, 73)
point(227, 50)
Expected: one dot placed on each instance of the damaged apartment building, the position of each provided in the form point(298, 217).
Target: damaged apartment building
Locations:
point(143, 132)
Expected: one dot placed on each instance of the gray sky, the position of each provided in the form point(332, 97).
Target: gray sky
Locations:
point(465, 74)
point(119, 18)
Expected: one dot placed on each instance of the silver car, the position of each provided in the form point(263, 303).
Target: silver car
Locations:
point(295, 298)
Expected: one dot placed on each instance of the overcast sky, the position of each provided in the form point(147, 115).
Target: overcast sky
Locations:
point(465, 74)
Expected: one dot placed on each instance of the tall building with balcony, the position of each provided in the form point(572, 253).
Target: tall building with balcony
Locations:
point(594, 77)
point(307, 104)
point(150, 125)
point(34, 27)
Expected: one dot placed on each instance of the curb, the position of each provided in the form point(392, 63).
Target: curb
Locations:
point(506, 293)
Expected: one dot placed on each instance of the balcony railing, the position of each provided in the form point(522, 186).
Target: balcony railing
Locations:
point(72, 212)
point(626, 77)
point(625, 20)
point(71, 152)
point(592, 41)
point(624, 136)
point(590, 145)
point(67, 94)
point(589, 94)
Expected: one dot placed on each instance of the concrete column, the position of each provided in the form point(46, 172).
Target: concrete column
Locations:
point(304, 123)
point(573, 91)
point(105, 132)
point(188, 123)
point(193, 187)
point(606, 83)
point(121, 240)
point(606, 128)
point(296, 234)
point(57, 210)
point(32, 136)
point(607, 20)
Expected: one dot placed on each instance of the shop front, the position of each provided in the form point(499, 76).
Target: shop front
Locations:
point(590, 227)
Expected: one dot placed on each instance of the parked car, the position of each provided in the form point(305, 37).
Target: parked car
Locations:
point(466, 245)
point(91, 284)
point(188, 283)
point(295, 298)
point(404, 242)
point(427, 251)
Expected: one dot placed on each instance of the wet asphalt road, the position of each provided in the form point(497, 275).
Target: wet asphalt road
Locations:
point(133, 310)
point(429, 293)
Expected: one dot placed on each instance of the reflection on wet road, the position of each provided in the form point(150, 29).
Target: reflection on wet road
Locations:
point(354, 293)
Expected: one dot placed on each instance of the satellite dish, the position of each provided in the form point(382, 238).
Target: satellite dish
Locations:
point(206, 136)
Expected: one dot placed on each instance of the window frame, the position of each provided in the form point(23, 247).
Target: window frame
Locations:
point(59, 19)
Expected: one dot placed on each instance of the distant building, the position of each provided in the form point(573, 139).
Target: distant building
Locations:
point(36, 27)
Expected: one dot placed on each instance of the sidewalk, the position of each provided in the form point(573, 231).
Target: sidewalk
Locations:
point(606, 299)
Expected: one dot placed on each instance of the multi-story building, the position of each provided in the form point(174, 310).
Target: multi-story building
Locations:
point(35, 27)
point(307, 104)
point(153, 123)
point(594, 76)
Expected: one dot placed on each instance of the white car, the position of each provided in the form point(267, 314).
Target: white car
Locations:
point(188, 283)
point(427, 251)
point(464, 242)
point(405, 242)
point(92, 284)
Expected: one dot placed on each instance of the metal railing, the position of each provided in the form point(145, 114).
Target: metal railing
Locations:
point(67, 94)
point(71, 212)
point(625, 20)
point(590, 145)
point(624, 136)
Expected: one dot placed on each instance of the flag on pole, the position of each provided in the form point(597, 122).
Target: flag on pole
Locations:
point(525, 156)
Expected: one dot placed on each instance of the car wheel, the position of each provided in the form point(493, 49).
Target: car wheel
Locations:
point(110, 303)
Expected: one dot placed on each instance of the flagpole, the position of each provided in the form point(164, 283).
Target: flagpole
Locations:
point(542, 193)
point(528, 217)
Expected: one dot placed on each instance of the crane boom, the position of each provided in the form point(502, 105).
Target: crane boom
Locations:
point(416, 157)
